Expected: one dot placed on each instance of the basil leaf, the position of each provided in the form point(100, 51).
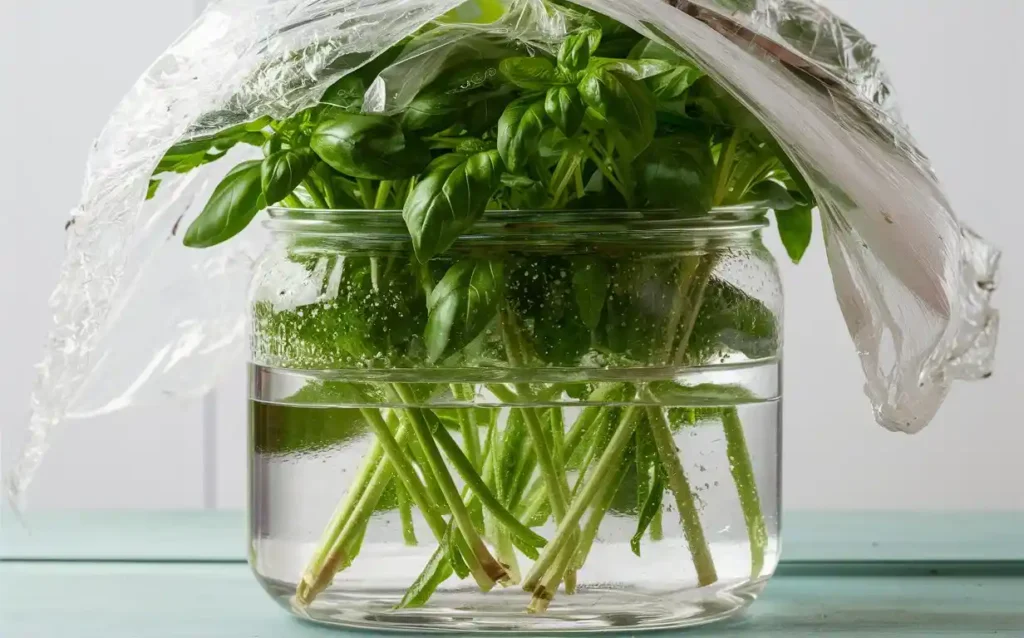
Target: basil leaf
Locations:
point(154, 186)
point(636, 69)
point(674, 84)
point(623, 102)
point(283, 171)
point(461, 306)
point(186, 156)
point(524, 192)
point(369, 146)
point(234, 203)
point(672, 393)
point(433, 112)
point(483, 114)
point(519, 132)
point(730, 319)
point(677, 172)
point(533, 74)
point(540, 294)
point(796, 227)
point(301, 427)
point(449, 199)
point(337, 189)
point(590, 281)
point(565, 108)
point(346, 94)
point(770, 194)
point(574, 54)
point(651, 50)
point(650, 483)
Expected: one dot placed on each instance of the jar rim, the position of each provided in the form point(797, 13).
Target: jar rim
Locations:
point(738, 219)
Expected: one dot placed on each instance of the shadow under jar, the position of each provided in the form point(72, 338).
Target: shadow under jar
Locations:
point(568, 421)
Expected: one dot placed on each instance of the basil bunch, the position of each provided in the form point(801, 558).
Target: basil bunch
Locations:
point(613, 120)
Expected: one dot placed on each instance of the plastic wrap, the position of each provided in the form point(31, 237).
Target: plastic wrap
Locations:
point(137, 315)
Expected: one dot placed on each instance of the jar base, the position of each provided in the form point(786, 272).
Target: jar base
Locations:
point(467, 611)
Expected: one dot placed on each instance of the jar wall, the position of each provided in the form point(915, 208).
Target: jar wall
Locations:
point(528, 435)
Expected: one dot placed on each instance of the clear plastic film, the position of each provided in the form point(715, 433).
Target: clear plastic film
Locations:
point(137, 315)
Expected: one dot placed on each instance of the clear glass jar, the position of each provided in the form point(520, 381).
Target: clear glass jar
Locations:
point(568, 421)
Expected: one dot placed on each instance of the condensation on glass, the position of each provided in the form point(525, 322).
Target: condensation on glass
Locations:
point(626, 382)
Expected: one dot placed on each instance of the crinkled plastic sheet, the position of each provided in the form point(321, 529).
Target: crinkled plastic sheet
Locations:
point(136, 315)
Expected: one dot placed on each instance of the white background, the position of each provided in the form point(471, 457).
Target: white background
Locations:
point(957, 68)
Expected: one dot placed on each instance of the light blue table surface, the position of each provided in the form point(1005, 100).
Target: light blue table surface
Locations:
point(181, 574)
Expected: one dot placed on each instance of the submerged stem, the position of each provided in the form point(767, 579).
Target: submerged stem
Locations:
point(486, 571)
point(686, 505)
point(742, 469)
point(567, 528)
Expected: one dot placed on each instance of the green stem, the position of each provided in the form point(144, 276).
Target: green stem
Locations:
point(567, 528)
point(468, 425)
point(592, 156)
point(381, 200)
point(318, 565)
point(743, 474)
point(657, 531)
point(679, 485)
point(486, 571)
point(601, 506)
point(478, 487)
point(315, 194)
point(406, 473)
point(405, 512)
point(687, 268)
point(695, 300)
point(293, 202)
point(366, 192)
point(724, 168)
point(420, 459)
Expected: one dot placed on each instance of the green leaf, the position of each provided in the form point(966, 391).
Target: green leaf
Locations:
point(369, 147)
point(283, 171)
point(678, 172)
point(524, 192)
point(484, 113)
point(433, 111)
point(624, 103)
point(574, 54)
point(650, 483)
point(302, 425)
point(770, 194)
point(674, 84)
point(346, 94)
point(154, 185)
point(437, 570)
point(730, 319)
point(672, 393)
point(590, 280)
point(519, 132)
point(234, 204)
point(636, 69)
point(471, 145)
point(541, 295)
point(186, 156)
point(706, 100)
point(461, 306)
point(532, 74)
point(565, 108)
point(796, 227)
point(449, 199)
point(651, 50)
point(338, 189)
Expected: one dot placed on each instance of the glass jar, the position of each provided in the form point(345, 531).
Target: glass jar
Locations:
point(568, 421)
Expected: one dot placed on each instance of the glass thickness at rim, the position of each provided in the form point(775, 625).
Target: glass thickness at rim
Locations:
point(735, 221)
